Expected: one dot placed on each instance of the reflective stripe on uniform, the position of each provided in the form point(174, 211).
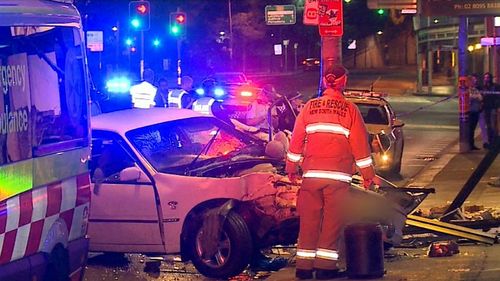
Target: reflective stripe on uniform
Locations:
point(203, 106)
point(327, 254)
point(328, 175)
point(175, 98)
point(306, 254)
point(143, 95)
point(327, 128)
point(292, 157)
point(364, 163)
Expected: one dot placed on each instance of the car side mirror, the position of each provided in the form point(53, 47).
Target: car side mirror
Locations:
point(132, 174)
point(398, 123)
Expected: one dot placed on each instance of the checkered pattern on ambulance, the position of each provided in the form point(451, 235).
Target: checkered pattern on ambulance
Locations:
point(26, 219)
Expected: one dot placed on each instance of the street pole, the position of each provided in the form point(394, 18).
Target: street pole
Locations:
point(419, 64)
point(179, 70)
point(331, 54)
point(463, 93)
point(142, 56)
point(295, 47)
point(285, 42)
point(230, 32)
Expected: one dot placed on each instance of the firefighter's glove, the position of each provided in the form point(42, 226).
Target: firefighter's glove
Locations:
point(293, 177)
point(368, 184)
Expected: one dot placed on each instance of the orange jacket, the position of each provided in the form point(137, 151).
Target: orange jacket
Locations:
point(330, 139)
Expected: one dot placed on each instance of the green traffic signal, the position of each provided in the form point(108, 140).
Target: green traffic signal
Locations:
point(175, 29)
point(381, 12)
point(135, 23)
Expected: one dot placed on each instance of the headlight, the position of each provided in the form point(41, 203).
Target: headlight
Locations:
point(218, 92)
point(200, 91)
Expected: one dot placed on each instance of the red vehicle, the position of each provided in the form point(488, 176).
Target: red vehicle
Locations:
point(44, 142)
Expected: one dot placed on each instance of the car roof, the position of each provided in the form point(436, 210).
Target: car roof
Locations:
point(129, 119)
point(38, 12)
point(367, 100)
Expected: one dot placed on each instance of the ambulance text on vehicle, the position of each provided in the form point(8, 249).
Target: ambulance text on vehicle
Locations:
point(44, 141)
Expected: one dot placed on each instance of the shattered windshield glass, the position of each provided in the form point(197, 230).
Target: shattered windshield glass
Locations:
point(172, 147)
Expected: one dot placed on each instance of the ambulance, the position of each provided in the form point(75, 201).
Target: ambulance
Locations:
point(44, 141)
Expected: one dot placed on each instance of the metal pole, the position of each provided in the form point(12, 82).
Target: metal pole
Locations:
point(230, 31)
point(463, 92)
point(419, 64)
point(295, 46)
point(331, 54)
point(286, 57)
point(179, 70)
point(142, 56)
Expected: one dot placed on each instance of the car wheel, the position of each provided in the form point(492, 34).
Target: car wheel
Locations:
point(233, 253)
point(58, 265)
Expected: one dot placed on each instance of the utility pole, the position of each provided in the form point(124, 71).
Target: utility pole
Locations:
point(463, 93)
point(331, 54)
point(230, 32)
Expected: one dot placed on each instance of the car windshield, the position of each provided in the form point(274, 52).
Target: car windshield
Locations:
point(172, 147)
point(230, 78)
point(373, 114)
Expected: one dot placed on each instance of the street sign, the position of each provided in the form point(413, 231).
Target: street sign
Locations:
point(460, 7)
point(280, 14)
point(95, 41)
point(311, 12)
point(278, 50)
point(392, 4)
point(331, 19)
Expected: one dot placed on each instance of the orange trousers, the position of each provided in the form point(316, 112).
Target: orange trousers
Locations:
point(319, 205)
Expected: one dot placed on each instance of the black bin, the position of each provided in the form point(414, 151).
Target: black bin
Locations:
point(364, 251)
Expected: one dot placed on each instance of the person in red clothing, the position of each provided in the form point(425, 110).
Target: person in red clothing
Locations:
point(329, 142)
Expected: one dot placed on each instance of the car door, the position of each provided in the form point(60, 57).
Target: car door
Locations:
point(123, 215)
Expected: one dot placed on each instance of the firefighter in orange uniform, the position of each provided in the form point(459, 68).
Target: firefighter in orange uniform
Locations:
point(329, 141)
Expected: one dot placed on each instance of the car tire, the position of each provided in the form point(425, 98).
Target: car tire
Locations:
point(57, 265)
point(234, 249)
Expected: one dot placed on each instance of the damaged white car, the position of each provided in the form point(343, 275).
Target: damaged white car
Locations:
point(166, 180)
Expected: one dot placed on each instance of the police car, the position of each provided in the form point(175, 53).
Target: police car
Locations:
point(233, 89)
point(385, 129)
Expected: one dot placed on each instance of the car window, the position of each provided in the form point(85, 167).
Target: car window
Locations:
point(172, 146)
point(373, 114)
point(109, 157)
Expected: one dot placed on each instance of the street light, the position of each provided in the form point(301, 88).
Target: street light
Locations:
point(156, 42)
point(128, 42)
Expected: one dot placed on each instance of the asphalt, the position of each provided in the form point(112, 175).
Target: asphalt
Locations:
point(447, 175)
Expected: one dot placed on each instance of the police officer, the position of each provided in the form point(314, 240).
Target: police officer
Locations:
point(329, 140)
point(143, 94)
point(183, 97)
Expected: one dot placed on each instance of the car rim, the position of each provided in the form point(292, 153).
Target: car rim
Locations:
point(222, 254)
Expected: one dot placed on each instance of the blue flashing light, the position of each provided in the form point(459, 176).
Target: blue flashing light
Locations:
point(118, 85)
point(218, 92)
point(135, 23)
point(129, 42)
point(200, 91)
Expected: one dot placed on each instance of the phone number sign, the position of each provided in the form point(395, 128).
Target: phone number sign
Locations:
point(460, 7)
point(331, 18)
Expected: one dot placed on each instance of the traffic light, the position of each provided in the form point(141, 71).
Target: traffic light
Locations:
point(178, 23)
point(139, 14)
point(381, 12)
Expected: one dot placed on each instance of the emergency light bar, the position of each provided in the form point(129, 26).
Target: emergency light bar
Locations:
point(364, 94)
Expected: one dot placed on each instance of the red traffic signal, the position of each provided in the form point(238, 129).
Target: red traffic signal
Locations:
point(180, 18)
point(142, 9)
